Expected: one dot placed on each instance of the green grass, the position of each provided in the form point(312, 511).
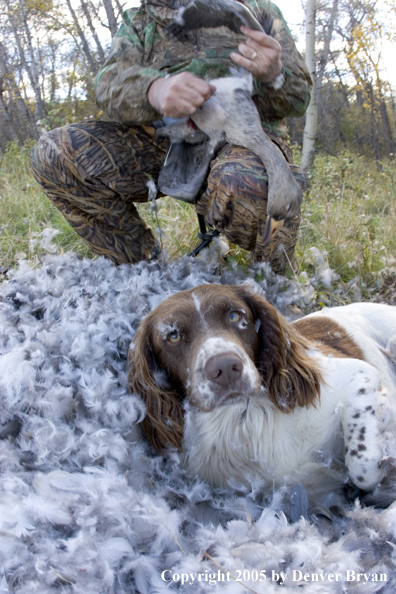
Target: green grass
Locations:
point(178, 223)
point(348, 214)
point(25, 211)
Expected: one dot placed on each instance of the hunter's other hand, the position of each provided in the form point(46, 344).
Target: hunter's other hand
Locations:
point(179, 95)
point(261, 55)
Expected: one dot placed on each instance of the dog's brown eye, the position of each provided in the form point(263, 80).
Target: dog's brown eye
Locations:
point(174, 337)
point(234, 316)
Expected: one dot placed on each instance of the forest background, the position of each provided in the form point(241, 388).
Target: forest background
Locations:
point(50, 52)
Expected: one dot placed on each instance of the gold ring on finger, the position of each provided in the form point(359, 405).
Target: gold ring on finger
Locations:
point(253, 56)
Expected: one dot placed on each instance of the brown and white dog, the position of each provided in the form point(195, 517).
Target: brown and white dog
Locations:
point(251, 398)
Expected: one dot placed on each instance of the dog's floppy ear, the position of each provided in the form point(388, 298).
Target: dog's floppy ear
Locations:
point(163, 424)
point(291, 377)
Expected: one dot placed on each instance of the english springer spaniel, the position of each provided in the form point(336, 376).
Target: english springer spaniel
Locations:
point(250, 398)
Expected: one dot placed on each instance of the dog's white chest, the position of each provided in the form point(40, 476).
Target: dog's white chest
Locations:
point(250, 441)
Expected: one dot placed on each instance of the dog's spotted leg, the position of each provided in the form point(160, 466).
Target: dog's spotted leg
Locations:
point(363, 452)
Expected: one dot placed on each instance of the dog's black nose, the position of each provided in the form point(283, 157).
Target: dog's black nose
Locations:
point(224, 369)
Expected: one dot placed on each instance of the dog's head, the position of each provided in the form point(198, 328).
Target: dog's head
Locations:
point(212, 345)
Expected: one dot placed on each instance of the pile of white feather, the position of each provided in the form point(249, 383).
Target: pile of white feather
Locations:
point(87, 507)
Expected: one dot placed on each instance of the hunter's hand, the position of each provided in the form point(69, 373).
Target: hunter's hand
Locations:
point(179, 95)
point(261, 55)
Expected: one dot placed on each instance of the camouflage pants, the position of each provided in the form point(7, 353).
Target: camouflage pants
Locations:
point(235, 203)
point(94, 171)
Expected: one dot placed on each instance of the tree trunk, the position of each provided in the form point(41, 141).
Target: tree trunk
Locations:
point(53, 80)
point(110, 17)
point(120, 8)
point(24, 62)
point(326, 49)
point(25, 117)
point(374, 130)
point(41, 71)
point(393, 113)
point(85, 8)
point(343, 88)
point(308, 151)
point(87, 52)
point(40, 111)
point(4, 113)
point(386, 128)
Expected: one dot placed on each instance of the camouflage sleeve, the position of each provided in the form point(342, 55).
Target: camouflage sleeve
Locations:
point(292, 99)
point(123, 82)
point(141, 52)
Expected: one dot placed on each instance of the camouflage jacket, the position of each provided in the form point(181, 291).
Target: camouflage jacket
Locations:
point(141, 52)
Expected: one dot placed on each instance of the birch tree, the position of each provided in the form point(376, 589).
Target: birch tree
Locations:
point(308, 151)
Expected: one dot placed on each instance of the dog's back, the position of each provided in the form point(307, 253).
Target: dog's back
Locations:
point(372, 329)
